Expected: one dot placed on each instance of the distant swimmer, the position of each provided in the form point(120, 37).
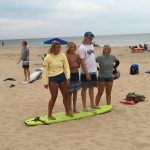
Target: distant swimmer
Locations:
point(3, 43)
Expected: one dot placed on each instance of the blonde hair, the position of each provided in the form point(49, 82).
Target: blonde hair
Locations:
point(53, 47)
point(104, 47)
point(68, 46)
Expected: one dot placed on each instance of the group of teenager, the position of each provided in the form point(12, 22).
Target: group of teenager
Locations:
point(61, 71)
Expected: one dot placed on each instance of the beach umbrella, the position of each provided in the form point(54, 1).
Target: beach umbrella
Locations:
point(50, 41)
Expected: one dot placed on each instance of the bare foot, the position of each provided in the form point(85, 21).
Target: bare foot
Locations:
point(85, 109)
point(75, 111)
point(51, 118)
point(70, 114)
point(95, 107)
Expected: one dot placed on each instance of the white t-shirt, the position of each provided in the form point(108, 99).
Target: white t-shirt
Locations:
point(86, 52)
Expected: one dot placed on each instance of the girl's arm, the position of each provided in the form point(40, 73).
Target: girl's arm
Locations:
point(66, 68)
point(28, 54)
point(45, 72)
point(85, 69)
point(19, 60)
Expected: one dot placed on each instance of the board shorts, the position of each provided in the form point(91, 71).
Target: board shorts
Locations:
point(25, 64)
point(75, 84)
point(87, 84)
point(104, 79)
point(59, 79)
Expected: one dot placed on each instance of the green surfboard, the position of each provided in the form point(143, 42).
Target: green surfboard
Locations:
point(61, 117)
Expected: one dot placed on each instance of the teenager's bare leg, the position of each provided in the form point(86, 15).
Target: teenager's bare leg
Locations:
point(74, 102)
point(100, 86)
point(53, 87)
point(108, 92)
point(64, 90)
point(91, 94)
point(28, 74)
point(83, 95)
point(70, 101)
point(25, 74)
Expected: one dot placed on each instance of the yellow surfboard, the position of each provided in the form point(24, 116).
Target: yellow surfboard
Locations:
point(61, 117)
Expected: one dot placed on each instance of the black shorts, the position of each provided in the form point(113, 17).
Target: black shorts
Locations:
point(59, 79)
point(87, 84)
point(75, 84)
point(25, 64)
point(74, 77)
point(103, 79)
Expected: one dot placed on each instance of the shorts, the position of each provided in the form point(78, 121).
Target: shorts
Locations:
point(25, 64)
point(75, 84)
point(59, 79)
point(103, 79)
point(87, 84)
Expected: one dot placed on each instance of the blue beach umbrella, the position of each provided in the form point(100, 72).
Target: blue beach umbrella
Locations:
point(62, 42)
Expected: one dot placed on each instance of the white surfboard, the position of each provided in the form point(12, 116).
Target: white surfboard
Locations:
point(35, 75)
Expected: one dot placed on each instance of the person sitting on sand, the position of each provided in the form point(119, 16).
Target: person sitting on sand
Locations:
point(74, 63)
point(25, 61)
point(88, 71)
point(107, 64)
point(56, 75)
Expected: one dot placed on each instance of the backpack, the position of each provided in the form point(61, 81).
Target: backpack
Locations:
point(135, 97)
point(134, 69)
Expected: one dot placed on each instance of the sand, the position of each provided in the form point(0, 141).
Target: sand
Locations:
point(124, 128)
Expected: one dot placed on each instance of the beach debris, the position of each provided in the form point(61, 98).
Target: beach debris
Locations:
point(9, 79)
point(12, 85)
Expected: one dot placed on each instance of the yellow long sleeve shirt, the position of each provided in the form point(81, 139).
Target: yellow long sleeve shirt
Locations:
point(54, 65)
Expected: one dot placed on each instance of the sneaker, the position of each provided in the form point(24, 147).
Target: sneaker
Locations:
point(24, 82)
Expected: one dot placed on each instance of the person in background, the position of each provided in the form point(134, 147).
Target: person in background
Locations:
point(107, 63)
point(74, 63)
point(88, 75)
point(56, 75)
point(25, 61)
point(3, 43)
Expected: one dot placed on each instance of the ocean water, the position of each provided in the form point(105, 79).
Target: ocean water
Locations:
point(113, 40)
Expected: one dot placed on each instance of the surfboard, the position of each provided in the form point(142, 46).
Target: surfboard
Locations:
point(147, 71)
point(61, 117)
point(35, 75)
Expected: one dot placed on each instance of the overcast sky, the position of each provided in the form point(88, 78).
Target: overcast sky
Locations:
point(47, 18)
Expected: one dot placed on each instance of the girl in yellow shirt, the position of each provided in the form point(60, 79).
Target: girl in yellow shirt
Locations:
point(56, 75)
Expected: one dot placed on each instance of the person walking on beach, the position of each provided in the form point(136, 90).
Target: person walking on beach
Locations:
point(107, 63)
point(88, 69)
point(74, 63)
point(56, 75)
point(25, 61)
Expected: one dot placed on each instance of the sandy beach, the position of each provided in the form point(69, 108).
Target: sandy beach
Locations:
point(124, 128)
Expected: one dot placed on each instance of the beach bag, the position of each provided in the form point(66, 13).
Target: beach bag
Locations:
point(134, 69)
point(135, 97)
